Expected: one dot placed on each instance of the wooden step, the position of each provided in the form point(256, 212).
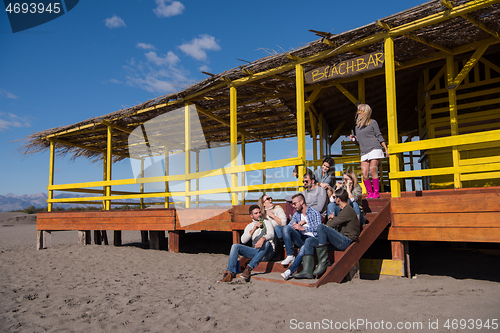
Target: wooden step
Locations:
point(276, 278)
point(355, 251)
point(343, 261)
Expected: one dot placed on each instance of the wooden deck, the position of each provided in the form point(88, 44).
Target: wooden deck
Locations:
point(463, 215)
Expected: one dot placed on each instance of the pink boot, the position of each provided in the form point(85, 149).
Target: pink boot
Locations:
point(376, 188)
point(368, 186)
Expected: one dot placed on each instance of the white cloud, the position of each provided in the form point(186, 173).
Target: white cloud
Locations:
point(196, 47)
point(164, 10)
point(115, 81)
point(114, 22)
point(7, 94)
point(145, 46)
point(204, 68)
point(159, 74)
point(169, 59)
point(11, 120)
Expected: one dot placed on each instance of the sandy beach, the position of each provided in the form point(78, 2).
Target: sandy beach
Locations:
point(71, 288)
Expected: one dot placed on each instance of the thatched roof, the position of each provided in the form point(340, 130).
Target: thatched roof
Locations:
point(269, 98)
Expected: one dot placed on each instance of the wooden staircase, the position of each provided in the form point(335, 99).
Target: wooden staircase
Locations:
point(378, 213)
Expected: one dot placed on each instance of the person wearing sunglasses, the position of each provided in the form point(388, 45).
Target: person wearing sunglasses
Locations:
point(370, 141)
point(273, 213)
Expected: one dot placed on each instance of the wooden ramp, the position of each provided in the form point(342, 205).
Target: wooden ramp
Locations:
point(343, 261)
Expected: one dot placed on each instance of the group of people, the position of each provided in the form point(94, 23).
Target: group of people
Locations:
point(326, 212)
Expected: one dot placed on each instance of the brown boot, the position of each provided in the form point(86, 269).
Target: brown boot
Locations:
point(246, 273)
point(227, 277)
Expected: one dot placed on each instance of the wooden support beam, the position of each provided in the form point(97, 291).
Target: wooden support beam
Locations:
point(225, 122)
point(480, 25)
point(84, 237)
point(234, 140)
point(452, 96)
point(117, 237)
point(421, 40)
point(187, 152)
point(346, 93)
point(51, 175)
point(467, 67)
point(173, 241)
point(301, 124)
point(43, 239)
point(392, 122)
point(157, 240)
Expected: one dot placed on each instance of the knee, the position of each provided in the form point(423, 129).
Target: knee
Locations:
point(320, 227)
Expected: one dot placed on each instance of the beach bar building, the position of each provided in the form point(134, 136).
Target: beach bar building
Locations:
point(432, 77)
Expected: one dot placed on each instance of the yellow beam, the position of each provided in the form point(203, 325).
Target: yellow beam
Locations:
point(225, 122)
point(346, 93)
point(361, 90)
point(445, 171)
point(203, 174)
point(233, 102)
point(167, 163)
point(51, 175)
point(142, 184)
point(452, 96)
point(467, 67)
point(458, 140)
point(301, 122)
point(472, 20)
point(416, 38)
point(187, 151)
point(392, 122)
point(109, 162)
point(67, 143)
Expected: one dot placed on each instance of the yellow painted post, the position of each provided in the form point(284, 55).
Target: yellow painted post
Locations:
point(109, 156)
point(243, 152)
point(301, 123)
point(321, 143)
point(452, 96)
point(233, 107)
point(392, 121)
point(104, 168)
point(263, 160)
point(361, 90)
point(197, 179)
point(187, 151)
point(167, 163)
point(51, 175)
point(142, 184)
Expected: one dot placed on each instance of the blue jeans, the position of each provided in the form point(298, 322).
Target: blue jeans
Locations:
point(334, 208)
point(336, 239)
point(290, 236)
point(265, 253)
point(306, 249)
point(278, 232)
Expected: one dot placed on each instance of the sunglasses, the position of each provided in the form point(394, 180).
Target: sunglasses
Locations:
point(268, 198)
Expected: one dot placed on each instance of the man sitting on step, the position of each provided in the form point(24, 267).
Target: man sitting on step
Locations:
point(347, 224)
point(303, 226)
point(262, 234)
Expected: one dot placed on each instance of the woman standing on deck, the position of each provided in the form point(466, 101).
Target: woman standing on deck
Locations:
point(370, 141)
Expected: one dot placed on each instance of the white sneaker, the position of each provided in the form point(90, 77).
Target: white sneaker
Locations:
point(288, 260)
point(286, 274)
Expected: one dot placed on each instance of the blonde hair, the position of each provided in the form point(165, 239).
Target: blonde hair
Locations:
point(351, 174)
point(363, 119)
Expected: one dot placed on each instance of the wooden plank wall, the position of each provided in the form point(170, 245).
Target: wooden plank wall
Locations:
point(456, 217)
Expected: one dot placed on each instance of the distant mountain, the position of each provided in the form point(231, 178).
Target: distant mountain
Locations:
point(10, 202)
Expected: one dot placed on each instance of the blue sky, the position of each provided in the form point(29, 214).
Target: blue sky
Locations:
point(105, 55)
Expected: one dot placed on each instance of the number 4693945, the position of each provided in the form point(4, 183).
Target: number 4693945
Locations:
point(33, 8)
